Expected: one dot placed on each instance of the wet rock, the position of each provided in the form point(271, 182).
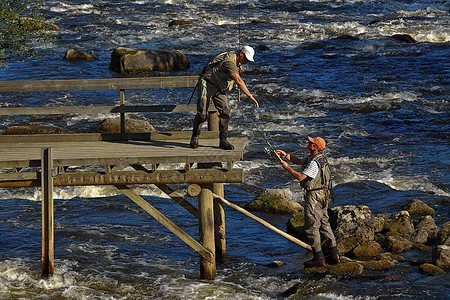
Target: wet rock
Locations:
point(125, 60)
point(397, 243)
point(418, 207)
point(443, 233)
point(35, 129)
point(296, 226)
point(431, 269)
point(347, 37)
point(276, 264)
point(379, 222)
point(441, 257)
point(404, 38)
point(132, 125)
point(179, 22)
point(399, 224)
point(262, 48)
point(378, 265)
point(422, 247)
point(367, 249)
point(393, 257)
point(353, 225)
point(346, 269)
point(73, 54)
point(274, 201)
point(419, 236)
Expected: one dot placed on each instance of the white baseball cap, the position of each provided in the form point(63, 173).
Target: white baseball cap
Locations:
point(249, 52)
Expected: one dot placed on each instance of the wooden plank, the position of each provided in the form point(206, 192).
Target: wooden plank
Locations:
point(48, 255)
point(262, 222)
point(98, 84)
point(199, 248)
point(100, 153)
point(87, 137)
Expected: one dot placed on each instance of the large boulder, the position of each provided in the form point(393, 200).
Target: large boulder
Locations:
point(418, 207)
point(132, 125)
point(274, 201)
point(126, 60)
point(399, 224)
point(353, 225)
point(296, 226)
point(397, 244)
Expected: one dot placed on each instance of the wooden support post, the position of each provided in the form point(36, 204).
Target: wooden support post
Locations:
point(122, 115)
point(206, 230)
point(47, 212)
point(219, 220)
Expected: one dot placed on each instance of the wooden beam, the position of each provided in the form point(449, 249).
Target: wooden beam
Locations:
point(61, 110)
point(87, 137)
point(47, 213)
point(98, 84)
point(266, 224)
point(206, 230)
point(199, 248)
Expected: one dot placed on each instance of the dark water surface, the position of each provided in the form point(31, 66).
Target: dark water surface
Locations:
point(332, 70)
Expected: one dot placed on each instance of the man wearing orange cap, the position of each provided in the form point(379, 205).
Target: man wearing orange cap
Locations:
point(315, 178)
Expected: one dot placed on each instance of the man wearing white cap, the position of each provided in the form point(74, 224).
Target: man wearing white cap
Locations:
point(217, 78)
point(315, 179)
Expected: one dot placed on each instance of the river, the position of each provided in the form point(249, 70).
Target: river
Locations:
point(332, 69)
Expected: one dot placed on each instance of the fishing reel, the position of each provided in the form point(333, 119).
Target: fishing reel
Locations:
point(268, 150)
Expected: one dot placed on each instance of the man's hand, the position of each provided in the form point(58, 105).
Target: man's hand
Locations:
point(281, 153)
point(284, 164)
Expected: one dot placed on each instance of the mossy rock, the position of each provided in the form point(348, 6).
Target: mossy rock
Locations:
point(393, 257)
point(397, 244)
point(418, 207)
point(399, 224)
point(274, 201)
point(431, 269)
point(132, 125)
point(367, 249)
point(378, 265)
point(346, 269)
point(296, 225)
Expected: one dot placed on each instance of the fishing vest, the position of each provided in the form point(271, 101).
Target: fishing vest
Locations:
point(214, 74)
point(323, 178)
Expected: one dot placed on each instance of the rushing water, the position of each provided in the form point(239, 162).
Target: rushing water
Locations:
point(332, 69)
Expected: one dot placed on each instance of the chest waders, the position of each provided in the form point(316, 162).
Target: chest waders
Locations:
point(321, 182)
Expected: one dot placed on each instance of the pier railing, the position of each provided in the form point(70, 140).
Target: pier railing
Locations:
point(120, 84)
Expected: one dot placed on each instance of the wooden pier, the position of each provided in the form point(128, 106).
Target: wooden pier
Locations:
point(58, 160)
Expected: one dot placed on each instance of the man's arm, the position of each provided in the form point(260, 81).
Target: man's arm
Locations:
point(297, 175)
point(291, 158)
point(241, 84)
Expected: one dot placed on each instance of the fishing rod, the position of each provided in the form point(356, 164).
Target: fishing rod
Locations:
point(268, 143)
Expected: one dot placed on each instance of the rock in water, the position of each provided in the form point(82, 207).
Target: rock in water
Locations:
point(126, 60)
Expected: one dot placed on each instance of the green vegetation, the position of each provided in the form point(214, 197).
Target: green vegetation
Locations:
point(21, 23)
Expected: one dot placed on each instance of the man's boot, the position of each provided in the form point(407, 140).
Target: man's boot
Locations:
point(317, 261)
point(194, 140)
point(224, 143)
point(333, 258)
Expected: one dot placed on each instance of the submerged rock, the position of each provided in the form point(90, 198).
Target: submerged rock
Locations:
point(35, 129)
point(431, 269)
point(73, 54)
point(274, 201)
